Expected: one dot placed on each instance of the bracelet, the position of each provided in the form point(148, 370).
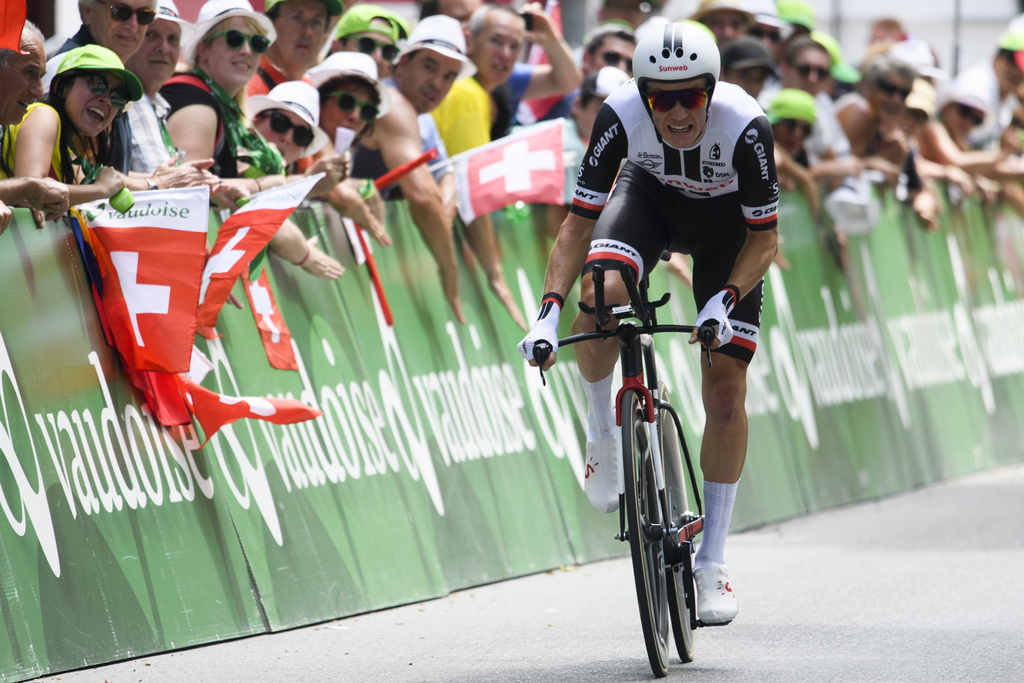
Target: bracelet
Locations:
point(366, 189)
point(259, 188)
point(304, 258)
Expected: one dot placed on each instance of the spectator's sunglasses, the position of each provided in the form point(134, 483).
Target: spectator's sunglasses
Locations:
point(613, 58)
point(974, 115)
point(368, 46)
point(99, 87)
point(760, 32)
point(280, 123)
point(347, 102)
point(797, 126)
point(664, 100)
point(805, 70)
point(123, 13)
point(891, 89)
point(234, 39)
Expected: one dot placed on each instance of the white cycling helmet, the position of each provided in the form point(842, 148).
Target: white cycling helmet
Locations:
point(682, 51)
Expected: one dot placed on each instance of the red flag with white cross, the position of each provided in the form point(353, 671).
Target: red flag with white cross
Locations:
point(241, 237)
point(215, 410)
point(526, 167)
point(12, 21)
point(149, 263)
point(274, 333)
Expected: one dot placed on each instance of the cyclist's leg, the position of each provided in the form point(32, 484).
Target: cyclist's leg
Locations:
point(616, 240)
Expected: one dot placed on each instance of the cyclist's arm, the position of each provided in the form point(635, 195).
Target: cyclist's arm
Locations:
point(568, 254)
point(754, 160)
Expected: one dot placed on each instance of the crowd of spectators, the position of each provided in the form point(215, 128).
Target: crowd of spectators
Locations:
point(241, 101)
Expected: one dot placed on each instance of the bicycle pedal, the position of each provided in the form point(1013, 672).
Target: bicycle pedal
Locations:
point(701, 624)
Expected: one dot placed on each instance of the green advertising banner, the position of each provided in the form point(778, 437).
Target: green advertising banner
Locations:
point(886, 361)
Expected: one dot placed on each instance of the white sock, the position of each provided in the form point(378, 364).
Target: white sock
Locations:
point(718, 502)
point(600, 411)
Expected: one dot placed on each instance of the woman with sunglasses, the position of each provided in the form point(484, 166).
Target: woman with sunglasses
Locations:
point(67, 136)
point(699, 178)
point(207, 119)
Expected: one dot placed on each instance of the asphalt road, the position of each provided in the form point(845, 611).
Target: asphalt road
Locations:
point(925, 586)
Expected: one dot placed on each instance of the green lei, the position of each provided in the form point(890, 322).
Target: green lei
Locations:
point(244, 144)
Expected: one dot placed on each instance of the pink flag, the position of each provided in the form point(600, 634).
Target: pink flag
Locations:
point(526, 167)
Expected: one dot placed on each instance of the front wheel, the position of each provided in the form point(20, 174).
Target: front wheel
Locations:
point(679, 579)
point(646, 531)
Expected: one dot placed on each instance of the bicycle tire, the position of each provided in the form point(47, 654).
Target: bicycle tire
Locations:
point(679, 579)
point(643, 509)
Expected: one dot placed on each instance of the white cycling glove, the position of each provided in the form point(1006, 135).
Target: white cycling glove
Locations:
point(545, 329)
point(718, 309)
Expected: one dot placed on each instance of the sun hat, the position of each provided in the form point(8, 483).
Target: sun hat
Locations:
point(334, 7)
point(299, 98)
point(216, 11)
point(764, 12)
point(603, 82)
point(707, 7)
point(792, 103)
point(359, 19)
point(352, 64)
point(99, 58)
point(168, 11)
point(1014, 41)
point(922, 97)
point(840, 69)
point(918, 54)
point(746, 52)
point(443, 35)
point(797, 12)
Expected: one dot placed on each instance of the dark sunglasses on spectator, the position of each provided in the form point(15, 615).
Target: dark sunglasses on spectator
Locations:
point(235, 39)
point(123, 13)
point(368, 46)
point(612, 58)
point(891, 89)
point(280, 123)
point(974, 115)
point(99, 87)
point(347, 102)
point(761, 33)
point(796, 126)
point(1017, 123)
point(805, 70)
point(664, 100)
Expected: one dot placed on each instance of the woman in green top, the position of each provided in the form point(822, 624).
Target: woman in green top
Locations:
point(66, 137)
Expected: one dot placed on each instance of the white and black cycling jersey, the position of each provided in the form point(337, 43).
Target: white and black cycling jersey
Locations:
point(735, 154)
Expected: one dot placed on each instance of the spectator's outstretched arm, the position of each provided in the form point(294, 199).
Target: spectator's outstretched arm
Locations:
point(398, 136)
point(485, 246)
point(560, 75)
point(291, 244)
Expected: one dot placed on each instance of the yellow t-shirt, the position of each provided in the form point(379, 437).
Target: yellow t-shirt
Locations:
point(464, 117)
point(11, 142)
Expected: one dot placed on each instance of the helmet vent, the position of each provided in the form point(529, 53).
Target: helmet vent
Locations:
point(653, 60)
point(664, 53)
point(679, 52)
point(693, 57)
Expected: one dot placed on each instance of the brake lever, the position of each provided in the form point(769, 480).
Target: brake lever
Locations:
point(541, 351)
point(706, 336)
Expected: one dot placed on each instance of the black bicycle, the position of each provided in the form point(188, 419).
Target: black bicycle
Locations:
point(654, 514)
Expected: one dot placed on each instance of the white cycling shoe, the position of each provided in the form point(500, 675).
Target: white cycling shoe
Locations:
point(716, 601)
point(601, 475)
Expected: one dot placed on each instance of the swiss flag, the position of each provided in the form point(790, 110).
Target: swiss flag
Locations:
point(531, 111)
point(274, 333)
point(525, 167)
point(241, 238)
point(12, 21)
point(147, 265)
point(214, 410)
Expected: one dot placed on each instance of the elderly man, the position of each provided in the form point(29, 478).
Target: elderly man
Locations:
point(301, 27)
point(424, 72)
point(120, 26)
point(20, 85)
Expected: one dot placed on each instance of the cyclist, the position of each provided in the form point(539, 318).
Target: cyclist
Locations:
point(698, 178)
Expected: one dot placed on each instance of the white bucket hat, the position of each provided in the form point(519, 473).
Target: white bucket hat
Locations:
point(352, 64)
point(216, 11)
point(299, 98)
point(443, 35)
point(168, 11)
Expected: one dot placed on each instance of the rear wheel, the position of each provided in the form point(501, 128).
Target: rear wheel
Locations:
point(646, 526)
point(679, 579)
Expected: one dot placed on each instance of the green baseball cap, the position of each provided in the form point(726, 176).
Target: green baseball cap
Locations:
point(792, 103)
point(359, 18)
point(334, 7)
point(796, 12)
point(99, 58)
point(841, 71)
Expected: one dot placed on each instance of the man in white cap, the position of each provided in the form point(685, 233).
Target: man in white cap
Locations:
point(429, 63)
